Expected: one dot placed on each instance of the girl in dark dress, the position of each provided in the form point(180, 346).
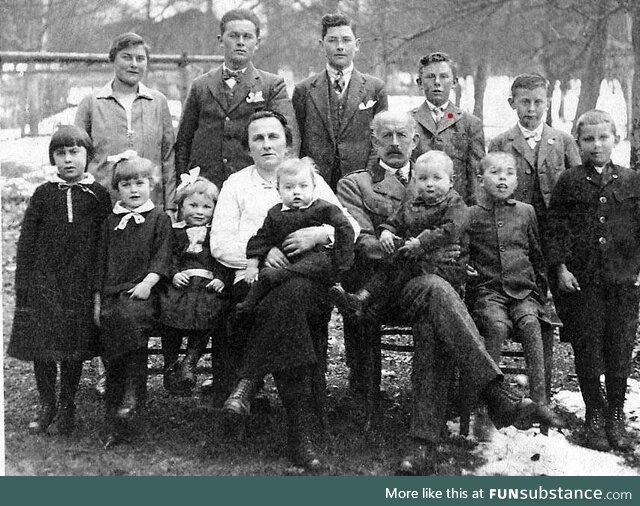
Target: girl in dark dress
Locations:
point(135, 255)
point(192, 304)
point(56, 259)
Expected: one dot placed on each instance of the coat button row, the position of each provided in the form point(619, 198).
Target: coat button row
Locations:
point(500, 224)
point(602, 240)
point(603, 200)
point(602, 219)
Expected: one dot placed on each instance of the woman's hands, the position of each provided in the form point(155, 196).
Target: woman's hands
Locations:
point(180, 279)
point(387, 241)
point(142, 291)
point(304, 240)
point(251, 272)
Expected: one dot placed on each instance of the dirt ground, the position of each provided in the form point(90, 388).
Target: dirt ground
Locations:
point(188, 436)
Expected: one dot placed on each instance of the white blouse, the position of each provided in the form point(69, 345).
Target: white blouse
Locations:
point(243, 204)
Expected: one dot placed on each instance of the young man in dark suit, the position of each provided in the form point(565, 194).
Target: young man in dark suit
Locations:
point(445, 127)
point(334, 108)
point(221, 101)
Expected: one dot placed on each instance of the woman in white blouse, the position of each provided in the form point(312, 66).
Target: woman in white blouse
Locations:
point(288, 336)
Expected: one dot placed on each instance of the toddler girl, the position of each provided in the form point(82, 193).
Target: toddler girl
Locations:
point(135, 256)
point(192, 304)
point(55, 259)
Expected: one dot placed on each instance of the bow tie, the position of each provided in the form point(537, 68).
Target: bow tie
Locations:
point(231, 74)
point(196, 237)
point(137, 217)
point(531, 134)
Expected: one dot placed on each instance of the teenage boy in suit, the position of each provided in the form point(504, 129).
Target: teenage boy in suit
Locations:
point(542, 153)
point(220, 102)
point(445, 127)
point(335, 107)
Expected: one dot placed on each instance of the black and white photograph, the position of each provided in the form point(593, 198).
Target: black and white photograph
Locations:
point(458, 294)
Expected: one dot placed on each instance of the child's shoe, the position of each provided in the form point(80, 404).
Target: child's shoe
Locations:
point(239, 402)
point(350, 304)
point(187, 376)
point(64, 422)
point(43, 419)
point(101, 386)
point(594, 435)
point(618, 437)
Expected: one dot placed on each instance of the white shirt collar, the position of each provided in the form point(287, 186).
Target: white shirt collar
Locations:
point(405, 169)
point(287, 208)
point(118, 208)
point(537, 130)
point(87, 179)
point(224, 66)
point(433, 106)
point(346, 74)
point(107, 91)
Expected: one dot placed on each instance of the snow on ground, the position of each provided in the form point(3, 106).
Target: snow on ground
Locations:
point(528, 453)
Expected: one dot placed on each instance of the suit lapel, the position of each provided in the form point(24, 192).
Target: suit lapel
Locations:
point(521, 146)
point(546, 143)
point(216, 87)
point(319, 94)
point(423, 116)
point(250, 80)
point(452, 114)
point(355, 95)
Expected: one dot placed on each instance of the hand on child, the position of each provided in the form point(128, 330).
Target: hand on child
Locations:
point(412, 248)
point(142, 291)
point(215, 285)
point(276, 259)
point(387, 241)
point(180, 280)
point(567, 282)
point(251, 275)
point(303, 240)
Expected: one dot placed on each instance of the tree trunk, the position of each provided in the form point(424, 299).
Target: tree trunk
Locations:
point(635, 93)
point(480, 85)
point(594, 71)
point(627, 91)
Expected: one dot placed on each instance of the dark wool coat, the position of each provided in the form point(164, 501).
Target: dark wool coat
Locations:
point(56, 265)
point(338, 152)
point(215, 117)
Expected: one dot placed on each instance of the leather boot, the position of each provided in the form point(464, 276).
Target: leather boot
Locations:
point(64, 421)
point(135, 394)
point(45, 373)
point(239, 402)
point(188, 375)
point(350, 304)
point(594, 421)
point(618, 437)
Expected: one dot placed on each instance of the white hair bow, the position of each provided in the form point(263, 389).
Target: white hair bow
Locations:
point(125, 155)
point(187, 179)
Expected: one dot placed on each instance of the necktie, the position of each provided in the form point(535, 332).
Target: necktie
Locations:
point(438, 114)
point(401, 177)
point(338, 84)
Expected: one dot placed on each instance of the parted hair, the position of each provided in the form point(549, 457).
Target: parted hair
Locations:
point(125, 40)
point(494, 158)
point(267, 113)
point(239, 15)
point(132, 168)
point(529, 82)
point(335, 19)
point(201, 186)
point(294, 166)
point(437, 57)
point(67, 136)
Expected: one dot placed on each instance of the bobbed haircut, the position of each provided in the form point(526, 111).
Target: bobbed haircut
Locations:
point(294, 166)
point(335, 19)
point(200, 186)
point(436, 57)
point(595, 117)
point(67, 136)
point(435, 156)
point(135, 167)
point(239, 15)
point(267, 113)
point(125, 40)
point(529, 82)
point(495, 158)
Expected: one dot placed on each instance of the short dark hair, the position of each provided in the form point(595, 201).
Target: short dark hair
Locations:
point(595, 117)
point(494, 157)
point(529, 82)
point(239, 15)
point(67, 136)
point(437, 58)
point(332, 20)
point(267, 113)
point(125, 40)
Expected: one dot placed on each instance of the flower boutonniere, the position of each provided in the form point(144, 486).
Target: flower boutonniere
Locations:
point(450, 115)
point(368, 105)
point(255, 97)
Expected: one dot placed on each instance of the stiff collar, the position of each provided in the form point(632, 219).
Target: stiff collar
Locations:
point(346, 73)
point(242, 71)
point(405, 169)
point(432, 107)
point(107, 91)
point(537, 131)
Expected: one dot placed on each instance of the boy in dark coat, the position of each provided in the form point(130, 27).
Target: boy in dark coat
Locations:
point(594, 254)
